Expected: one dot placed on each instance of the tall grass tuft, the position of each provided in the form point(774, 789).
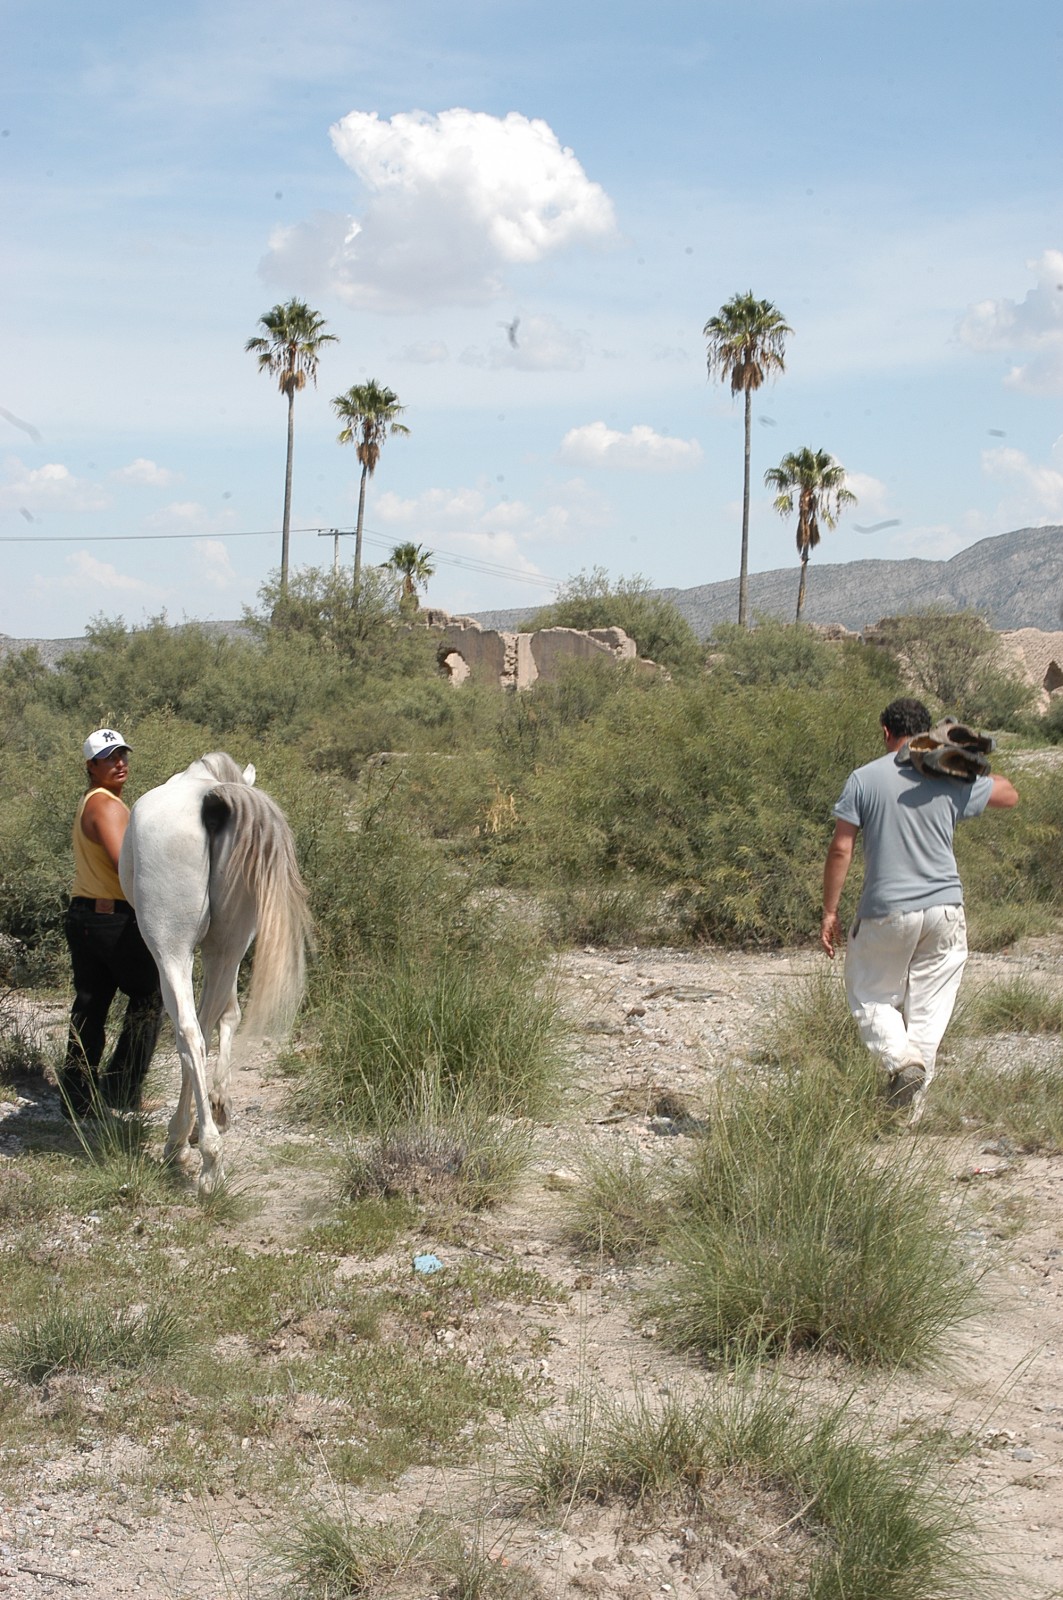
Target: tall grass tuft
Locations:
point(450, 1026)
point(1023, 1103)
point(326, 1554)
point(84, 1338)
point(1012, 1005)
point(799, 1230)
point(621, 1208)
point(121, 1168)
point(861, 1520)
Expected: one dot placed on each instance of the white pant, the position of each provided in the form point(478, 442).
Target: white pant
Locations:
point(902, 975)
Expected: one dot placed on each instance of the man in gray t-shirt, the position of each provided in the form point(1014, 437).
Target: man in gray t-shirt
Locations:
point(908, 945)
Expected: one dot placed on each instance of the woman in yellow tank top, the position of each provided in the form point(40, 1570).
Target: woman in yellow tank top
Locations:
point(106, 950)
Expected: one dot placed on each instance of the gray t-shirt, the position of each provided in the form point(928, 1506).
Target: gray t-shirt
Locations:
point(907, 821)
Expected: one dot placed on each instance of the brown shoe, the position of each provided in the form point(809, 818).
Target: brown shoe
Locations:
point(905, 1084)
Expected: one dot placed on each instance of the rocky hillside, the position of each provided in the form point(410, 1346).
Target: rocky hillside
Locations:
point(1015, 580)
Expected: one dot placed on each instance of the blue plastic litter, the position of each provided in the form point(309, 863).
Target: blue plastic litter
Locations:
point(427, 1264)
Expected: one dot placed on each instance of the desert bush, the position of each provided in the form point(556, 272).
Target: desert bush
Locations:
point(424, 992)
point(955, 661)
point(722, 795)
point(594, 600)
point(793, 655)
point(865, 1518)
point(797, 1231)
point(441, 1157)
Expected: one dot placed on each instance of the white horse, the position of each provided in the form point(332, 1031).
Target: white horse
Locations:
point(208, 861)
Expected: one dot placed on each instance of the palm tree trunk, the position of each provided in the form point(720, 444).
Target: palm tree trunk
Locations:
point(358, 532)
point(802, 585)
point(287, 521)
point(743, 570)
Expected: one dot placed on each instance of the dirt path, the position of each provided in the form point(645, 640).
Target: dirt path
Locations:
point(651, 1024)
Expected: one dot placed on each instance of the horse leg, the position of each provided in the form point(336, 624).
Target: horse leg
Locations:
point(176, 981)
point(222, 950)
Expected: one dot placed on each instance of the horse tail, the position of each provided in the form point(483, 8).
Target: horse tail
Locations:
point(252, 853)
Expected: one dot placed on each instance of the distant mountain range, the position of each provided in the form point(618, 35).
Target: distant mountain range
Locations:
point(1015, 580)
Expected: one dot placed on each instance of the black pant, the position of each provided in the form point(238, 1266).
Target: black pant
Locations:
point(108, 953)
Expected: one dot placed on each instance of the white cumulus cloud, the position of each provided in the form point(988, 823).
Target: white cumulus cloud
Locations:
point(142, 471)
point(1033, 324)
point(641, 449)
point(52, 487)
point(454, 200)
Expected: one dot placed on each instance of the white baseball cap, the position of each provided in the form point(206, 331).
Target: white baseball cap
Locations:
point(102, 742)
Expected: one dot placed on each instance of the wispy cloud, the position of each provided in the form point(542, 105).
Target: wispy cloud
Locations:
point(144, 472)
point(1037, 490)
point(455, 200)
point(215, 567)
point(85, 571)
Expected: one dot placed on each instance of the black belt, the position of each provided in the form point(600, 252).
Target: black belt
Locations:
point(102, 907)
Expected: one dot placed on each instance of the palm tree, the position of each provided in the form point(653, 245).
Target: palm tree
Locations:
point(369, 413)
point(289, 351)
point(412, 565)
point(746, 343)
point(818, 481)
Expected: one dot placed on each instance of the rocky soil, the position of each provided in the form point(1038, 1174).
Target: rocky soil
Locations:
point(653, 1025)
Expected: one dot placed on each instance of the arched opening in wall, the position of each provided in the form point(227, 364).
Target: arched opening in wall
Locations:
point(1053, 678)
point(454, 666)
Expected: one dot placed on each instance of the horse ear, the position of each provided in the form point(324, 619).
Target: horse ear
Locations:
point(249, 774)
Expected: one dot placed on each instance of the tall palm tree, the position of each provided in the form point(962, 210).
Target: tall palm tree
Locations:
point(369, 413)
point(818, 482)
point(412, 565)
point(746, 343)
point(289, 351)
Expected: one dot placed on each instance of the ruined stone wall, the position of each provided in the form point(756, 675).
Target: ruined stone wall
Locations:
point(469, 653)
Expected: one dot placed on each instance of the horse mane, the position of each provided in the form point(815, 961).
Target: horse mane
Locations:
point(222, 766)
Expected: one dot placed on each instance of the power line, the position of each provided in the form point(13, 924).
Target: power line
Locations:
point(466, 563)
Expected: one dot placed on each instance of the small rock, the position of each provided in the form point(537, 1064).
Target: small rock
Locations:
point(560, 1178)
point(1023, 1455)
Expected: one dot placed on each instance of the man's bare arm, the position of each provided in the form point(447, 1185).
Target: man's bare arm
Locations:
point(835, 872)
point(104, 821)
point(1004, 793)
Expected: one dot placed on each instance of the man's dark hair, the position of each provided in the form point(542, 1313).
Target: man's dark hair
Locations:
point(902, 719)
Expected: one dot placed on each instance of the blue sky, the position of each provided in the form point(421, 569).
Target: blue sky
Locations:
point(886, 172)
